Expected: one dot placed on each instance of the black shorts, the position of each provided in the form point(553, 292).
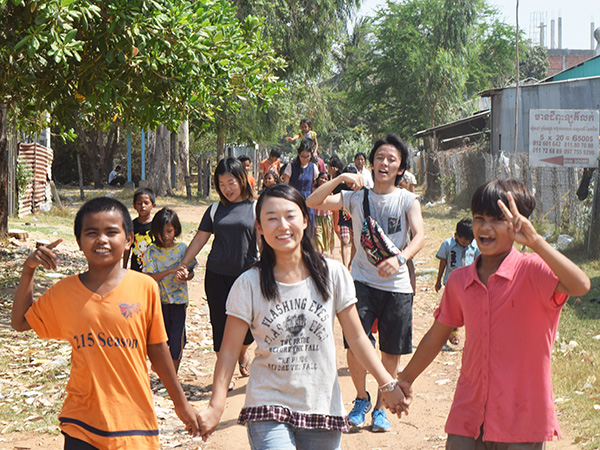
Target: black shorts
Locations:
point(217, 289)
point(174, 317)
point(72, 443)
point(393, 311)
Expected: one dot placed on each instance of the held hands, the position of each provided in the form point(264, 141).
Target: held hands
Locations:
point(398, 400)
point(189, 416)
point(520, 228)
point(182, 274)
point(208, 420)
point(44, 255)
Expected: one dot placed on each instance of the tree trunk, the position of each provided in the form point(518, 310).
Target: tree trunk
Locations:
point(159, 161)
point(183, 156)
point(100, 147)
point(3, 172)
point(221, 134)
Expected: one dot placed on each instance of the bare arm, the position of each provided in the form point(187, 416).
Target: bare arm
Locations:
point(293, 138)
point(571, 279)
point(365, 353)
point(440, 275)
point(321, 198)
point(233, 339)
point(160, 275)
point(428, 348)
point(163, 366)
point(198, 242)
point(43, 255)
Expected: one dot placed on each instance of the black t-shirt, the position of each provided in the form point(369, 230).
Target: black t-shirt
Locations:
point(234, 246)
point(142, 238)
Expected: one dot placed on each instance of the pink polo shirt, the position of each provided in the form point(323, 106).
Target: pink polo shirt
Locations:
point(510, 328)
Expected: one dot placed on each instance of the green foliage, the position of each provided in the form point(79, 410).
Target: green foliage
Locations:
point(136, 62)
point(349, 148)
point(24, 176)
point(534, 63)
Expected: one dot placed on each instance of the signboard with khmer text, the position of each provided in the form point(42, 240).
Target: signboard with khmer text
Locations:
point(563, 138)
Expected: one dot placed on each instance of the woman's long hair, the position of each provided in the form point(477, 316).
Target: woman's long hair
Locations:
point(314, 261)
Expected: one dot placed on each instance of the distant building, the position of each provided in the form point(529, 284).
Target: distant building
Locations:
point(560, 59)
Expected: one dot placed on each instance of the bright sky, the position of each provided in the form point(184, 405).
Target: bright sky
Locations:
point(576, 18)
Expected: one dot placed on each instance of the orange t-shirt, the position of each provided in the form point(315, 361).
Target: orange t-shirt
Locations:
point(267, 166)
point(109, 401)
point(252, 181)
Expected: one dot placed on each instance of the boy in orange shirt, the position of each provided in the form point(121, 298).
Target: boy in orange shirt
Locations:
point(112, 318)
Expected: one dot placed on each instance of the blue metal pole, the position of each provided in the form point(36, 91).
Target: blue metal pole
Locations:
point(143, 155)
point(128, 157)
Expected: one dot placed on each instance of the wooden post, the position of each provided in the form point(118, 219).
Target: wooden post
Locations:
point(81, 196)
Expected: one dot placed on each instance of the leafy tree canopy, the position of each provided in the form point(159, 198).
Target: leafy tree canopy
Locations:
point(139, 62)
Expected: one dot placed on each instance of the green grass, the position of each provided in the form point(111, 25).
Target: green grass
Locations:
point(576, 374)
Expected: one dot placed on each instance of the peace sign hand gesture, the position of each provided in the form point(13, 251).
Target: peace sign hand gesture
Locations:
point(520, 227)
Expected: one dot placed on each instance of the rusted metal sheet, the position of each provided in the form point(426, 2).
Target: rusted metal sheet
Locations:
point(39, 160)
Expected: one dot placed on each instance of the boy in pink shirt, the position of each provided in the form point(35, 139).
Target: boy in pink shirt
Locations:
point(510, 304)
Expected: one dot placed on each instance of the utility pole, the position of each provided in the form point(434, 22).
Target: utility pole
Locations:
point(517, 85)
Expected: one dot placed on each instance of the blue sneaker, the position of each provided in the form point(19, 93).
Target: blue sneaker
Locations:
point(361, 407)
point(380, 422)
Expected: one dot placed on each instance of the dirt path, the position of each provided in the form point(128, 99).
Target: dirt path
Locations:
point(422, 429)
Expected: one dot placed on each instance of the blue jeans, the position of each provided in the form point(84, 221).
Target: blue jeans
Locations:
point(272, 435)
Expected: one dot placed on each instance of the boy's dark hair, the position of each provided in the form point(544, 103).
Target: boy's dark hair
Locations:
point(464, 228)
point(307, 122)
point(360, 154)
point(237, 170)
point(313, 260)
point(274, 153)
point(394, 141)
point(164, 217)
point(101, 204)
point(144, 191)
point(485, 199)
point(350, 169)
point(337, 163)
point(243, 158)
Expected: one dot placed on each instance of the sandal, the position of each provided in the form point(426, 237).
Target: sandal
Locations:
point(453, 338)
point(231, 385)
point(244, 369)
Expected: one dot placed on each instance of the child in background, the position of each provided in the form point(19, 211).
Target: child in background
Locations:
point(271, 164)
point(306, 132)
point(270, 179)
point(324, 239)
point(510, 304)
point(293, 397)
point(144, 201)
point(161, 262)
point(346, 232)
point(247, 162)
point(112, 319)
point(458, 251)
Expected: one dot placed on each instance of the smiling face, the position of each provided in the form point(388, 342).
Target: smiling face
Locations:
point(103, 239)
point(230, 187)
point(493, 235)
point(269, 180)
point(304, 128)
point(281, 224)
point(386, 164)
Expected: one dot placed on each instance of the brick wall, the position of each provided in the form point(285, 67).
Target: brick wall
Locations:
point(563, 59)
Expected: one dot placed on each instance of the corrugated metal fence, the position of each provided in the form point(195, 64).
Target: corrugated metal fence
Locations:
point(39, 160)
